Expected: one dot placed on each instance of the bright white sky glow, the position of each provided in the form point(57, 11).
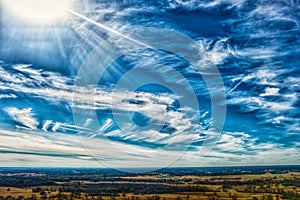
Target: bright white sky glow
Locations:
point(38, 11)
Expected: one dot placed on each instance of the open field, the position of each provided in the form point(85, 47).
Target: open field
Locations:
point(160, 185)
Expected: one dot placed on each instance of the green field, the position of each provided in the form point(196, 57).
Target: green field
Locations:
point(226, 187)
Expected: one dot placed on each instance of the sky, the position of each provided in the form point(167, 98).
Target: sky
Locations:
point(124, 84)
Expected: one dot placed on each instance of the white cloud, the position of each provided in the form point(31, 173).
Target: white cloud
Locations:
point(47, 123)
point(270, 92)
point(56, 126)
point(217, 55)
point(55, 88)
point(23, 116)
point(87, 122)
point(8, 96)
point(195, 4)
point(57, 147)
point(234, 148)
point(237, 142)
point(237, 148)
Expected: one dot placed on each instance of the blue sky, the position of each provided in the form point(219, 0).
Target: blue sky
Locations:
point(151, 107)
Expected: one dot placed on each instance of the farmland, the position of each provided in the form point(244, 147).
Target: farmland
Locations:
point(244, 183)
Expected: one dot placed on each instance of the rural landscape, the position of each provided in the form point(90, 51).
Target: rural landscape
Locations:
point(149, 100)
point(231, 183)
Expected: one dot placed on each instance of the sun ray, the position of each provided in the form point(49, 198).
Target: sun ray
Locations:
point(38, 12)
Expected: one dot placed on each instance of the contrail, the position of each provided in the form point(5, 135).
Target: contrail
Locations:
point(107, 28)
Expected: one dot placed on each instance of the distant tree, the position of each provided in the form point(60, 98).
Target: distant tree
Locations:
point(99, 197)
point(21, 197)
point(113, 198)
point(33, 197)
point(156, 197)
point(9, 197)
point(43, 194)
point(234, 197)
point(269, 197)
point(36, 190)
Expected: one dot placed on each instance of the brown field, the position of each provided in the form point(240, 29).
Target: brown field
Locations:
point(268, 187)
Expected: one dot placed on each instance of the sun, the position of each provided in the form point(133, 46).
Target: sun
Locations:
point(38, 11)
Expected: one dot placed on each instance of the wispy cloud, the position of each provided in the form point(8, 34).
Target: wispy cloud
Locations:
point(169, 124)
point(23, 116)
point(23, 149)
point(255, 55)
point(268, 94)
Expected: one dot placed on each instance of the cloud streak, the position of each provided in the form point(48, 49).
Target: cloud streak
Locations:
point(259, 69)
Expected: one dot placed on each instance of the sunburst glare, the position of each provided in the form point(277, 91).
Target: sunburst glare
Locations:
point(38, 12)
